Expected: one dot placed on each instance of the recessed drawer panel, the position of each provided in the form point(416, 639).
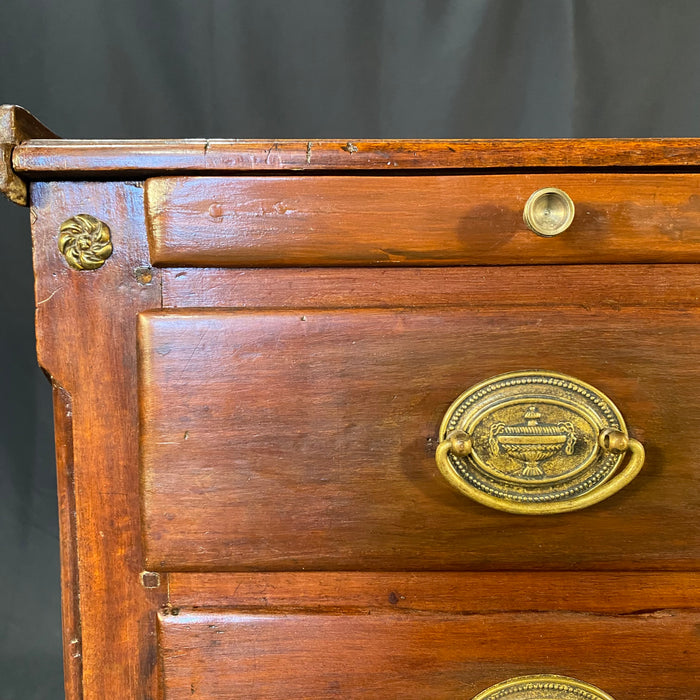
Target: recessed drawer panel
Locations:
point(421, 219)
point(281, 440)
point(224, 654)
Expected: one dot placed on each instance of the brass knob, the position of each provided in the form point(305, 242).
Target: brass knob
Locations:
point(548, 212)
point(543, 687)
point(536, 443)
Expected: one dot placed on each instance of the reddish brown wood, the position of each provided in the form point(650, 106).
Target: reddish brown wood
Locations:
point(70, 576)
point(279, 440)
point(16, 126)
point(428, 220)
point(86, 339)
point(287, 440)
point(42, 158)
point(218, 654)
point(606, 286)
point(622, 593)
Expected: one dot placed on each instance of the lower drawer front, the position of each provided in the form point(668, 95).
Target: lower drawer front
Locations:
point(287, 440)
point(224, 654)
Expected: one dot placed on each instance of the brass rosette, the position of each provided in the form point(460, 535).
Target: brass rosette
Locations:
point(85, 242)
point(536, 442)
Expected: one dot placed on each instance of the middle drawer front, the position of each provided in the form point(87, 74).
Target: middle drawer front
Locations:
point(284, 440)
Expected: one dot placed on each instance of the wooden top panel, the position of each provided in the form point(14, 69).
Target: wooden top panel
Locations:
point(40, 158)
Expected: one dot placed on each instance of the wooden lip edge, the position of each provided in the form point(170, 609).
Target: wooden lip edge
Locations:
point(29, 147)
point(37, 157)
point(175, 261)
point(193, 611)
point(381, 287)
point(16, 126)
point(519, 591)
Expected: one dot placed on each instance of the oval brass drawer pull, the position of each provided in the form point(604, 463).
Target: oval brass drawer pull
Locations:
point(548, 212)
point(542, 687)
point(537, 443)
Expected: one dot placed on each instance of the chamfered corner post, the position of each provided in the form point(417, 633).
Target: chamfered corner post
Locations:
point(17, 125)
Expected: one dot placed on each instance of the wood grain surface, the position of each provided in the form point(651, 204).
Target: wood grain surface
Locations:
point(621, 593)
point(222, 654)
point(70, 159)
point(265, 447)
point(426, 220)
point(86, 341)
point(288, 440)
point(16, 126)
point(606, 286)
point(67, 520)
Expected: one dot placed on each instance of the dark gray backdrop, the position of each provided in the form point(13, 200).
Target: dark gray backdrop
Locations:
point(288, 68)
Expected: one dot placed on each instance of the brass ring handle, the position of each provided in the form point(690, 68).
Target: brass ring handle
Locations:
point(543, 687)
point(536, 443)
point(459, 443)
point(549, 212)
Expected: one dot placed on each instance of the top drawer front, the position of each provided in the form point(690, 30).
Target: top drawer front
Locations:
point(418, 220)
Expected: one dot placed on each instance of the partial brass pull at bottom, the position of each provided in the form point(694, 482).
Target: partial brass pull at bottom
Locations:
point(536, 443)
point(543, 687)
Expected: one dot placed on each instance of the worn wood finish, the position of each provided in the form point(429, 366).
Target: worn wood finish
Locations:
point(70, 577)
point(86, 340)
point(16, 126)
point(621, 593)
point(287, 418)
point(429, 220)
point(651, 286)
point(218, 654)
point(118, 159)
point(283, 440)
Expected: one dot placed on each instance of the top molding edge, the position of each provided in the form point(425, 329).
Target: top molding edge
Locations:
point(16, 126)
point(36, 155)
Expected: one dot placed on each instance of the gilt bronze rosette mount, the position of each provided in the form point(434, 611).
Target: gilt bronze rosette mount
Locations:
point(85, 242)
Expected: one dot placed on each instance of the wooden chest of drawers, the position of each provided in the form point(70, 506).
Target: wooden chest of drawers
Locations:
point(398, 419)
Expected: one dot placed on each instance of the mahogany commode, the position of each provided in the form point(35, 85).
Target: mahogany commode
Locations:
point(286, 372)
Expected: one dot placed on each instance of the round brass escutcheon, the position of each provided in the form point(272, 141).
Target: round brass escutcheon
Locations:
point(543, 687)
point(548, 212)
point(537, 443)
